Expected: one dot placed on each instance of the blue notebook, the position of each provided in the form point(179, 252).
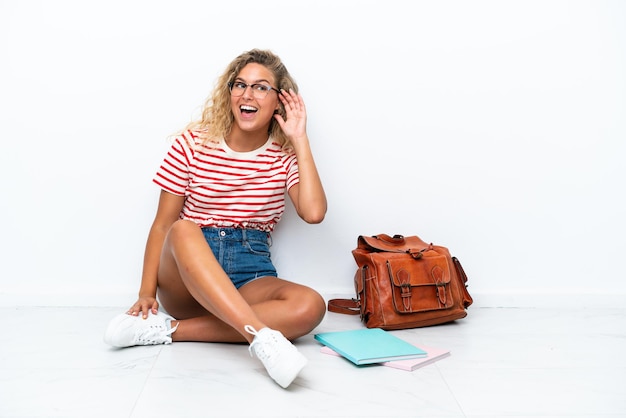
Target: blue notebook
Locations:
point(369, 345)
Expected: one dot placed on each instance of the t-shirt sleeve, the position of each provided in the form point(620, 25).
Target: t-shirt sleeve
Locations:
point(293, 175)
point(174, 173)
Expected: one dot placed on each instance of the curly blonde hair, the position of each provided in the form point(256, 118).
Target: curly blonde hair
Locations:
point(217, 119)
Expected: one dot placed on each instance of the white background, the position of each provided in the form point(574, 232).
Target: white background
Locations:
point(496, 128)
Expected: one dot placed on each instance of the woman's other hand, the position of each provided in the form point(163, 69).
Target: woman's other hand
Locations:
point(143, 306)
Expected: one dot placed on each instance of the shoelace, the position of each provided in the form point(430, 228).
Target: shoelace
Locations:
point(154, 334)
point(261, 348)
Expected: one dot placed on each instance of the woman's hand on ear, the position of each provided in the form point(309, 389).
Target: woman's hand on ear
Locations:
point(294, 126)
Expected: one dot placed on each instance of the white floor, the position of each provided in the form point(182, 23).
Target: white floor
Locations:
point(504, 363)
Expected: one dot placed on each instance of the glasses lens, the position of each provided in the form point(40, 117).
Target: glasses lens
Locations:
point(260, 90)
point(237, 88)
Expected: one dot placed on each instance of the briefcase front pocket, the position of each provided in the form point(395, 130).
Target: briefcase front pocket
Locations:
point(418, 285)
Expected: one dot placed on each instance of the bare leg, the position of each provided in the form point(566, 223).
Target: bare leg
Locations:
point(194, 288)
point(290, 308)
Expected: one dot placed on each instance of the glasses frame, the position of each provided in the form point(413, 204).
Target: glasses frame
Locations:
point(254, 92)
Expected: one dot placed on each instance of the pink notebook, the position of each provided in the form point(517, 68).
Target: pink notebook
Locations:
point(434, 354)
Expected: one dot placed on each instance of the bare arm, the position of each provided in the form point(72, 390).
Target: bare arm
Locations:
point(308, 196)
point(168, 212)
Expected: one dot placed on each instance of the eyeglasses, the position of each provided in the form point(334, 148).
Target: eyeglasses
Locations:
point(259, 91)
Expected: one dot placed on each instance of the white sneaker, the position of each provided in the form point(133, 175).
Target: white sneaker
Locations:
point(281, 359)
point(127, 330)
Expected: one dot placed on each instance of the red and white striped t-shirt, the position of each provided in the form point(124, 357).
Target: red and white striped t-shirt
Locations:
point(225, 188)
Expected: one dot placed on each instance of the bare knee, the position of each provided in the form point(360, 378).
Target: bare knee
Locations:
point(181, 230)
point(184, 237)
point(307, 313)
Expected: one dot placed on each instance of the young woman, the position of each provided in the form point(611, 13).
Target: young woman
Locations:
point(223, 186)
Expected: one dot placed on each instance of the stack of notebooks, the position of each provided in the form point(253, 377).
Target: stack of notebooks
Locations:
point(374, 345)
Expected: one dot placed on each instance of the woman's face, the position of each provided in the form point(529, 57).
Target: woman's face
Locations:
point(253, 98)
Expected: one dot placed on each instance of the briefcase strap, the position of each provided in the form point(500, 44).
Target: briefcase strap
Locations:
point(344, 306)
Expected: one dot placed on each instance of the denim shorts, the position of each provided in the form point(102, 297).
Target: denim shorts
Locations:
point(244, 254)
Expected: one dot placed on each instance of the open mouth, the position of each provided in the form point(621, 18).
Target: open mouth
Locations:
point(248, 109)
